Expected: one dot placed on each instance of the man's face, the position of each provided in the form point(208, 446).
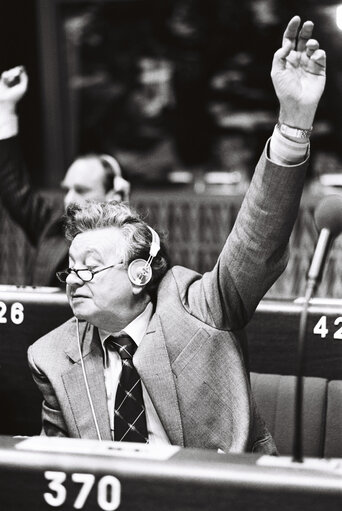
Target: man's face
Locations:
point(84, 180)
point(108, 298)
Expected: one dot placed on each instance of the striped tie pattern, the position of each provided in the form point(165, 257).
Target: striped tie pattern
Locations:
point(129, 410)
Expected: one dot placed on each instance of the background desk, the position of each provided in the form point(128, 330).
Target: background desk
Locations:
point(273, 336)
point(189, 480)
point(197, 226)
point(26, 314)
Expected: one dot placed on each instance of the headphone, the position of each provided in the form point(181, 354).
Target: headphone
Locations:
point(112, 162)
point(140, 271)
point(117, 185)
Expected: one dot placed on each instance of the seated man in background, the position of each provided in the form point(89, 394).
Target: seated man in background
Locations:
point(92, 176)
point(153, 353)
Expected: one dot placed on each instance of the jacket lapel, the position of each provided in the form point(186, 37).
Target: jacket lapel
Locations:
point(76, 388)
point(153, 365)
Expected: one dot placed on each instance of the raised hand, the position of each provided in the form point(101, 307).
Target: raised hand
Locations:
point(13, 85)
point(298, 74)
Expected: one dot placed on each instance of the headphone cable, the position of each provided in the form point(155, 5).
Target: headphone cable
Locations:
point(86, 382)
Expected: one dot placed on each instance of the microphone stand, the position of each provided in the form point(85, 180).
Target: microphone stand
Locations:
point(297, 440)
point(313, 278)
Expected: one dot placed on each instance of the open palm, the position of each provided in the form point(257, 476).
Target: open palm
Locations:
point(298, 73)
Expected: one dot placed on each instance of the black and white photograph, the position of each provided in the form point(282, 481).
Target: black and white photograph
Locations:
point(170, 255)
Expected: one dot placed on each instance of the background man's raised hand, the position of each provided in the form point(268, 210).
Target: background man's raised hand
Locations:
point(13, 86)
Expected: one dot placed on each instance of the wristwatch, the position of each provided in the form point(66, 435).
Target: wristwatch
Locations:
point(294, 133)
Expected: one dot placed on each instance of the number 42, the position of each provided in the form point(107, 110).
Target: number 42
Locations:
point(321, 328)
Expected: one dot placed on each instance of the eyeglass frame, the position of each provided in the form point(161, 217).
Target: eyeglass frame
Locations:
point(76, 270)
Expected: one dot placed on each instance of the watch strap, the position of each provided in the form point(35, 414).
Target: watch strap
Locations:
point(302, 135)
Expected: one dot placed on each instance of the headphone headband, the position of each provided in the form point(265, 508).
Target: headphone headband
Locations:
point(155, 243)
point(112, 162)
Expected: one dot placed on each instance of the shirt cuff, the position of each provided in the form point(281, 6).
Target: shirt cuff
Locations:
point(8, 126)
point(286, 152)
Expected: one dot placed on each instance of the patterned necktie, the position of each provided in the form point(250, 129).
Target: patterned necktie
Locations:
point(129, 409)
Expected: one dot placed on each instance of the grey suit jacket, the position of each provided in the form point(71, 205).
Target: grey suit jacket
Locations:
point(190, 359)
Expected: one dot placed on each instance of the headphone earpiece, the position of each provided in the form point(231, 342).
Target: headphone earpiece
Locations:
point(140, 270)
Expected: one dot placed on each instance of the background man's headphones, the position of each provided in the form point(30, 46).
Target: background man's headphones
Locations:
point(139, 270)
point(120, 187)
point(113, 164)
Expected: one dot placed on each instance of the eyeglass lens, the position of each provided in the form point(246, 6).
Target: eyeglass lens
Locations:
point(83, 274)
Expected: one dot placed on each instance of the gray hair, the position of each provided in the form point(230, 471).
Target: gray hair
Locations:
point(93, 215)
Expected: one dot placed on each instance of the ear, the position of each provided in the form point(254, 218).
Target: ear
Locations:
point(137, 290)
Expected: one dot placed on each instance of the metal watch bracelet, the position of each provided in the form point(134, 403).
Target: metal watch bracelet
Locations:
point(302, 135)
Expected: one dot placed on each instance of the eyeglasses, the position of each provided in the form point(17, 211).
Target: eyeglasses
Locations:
point(85, 274)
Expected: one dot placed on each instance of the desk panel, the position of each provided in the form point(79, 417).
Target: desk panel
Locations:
point(273, 337)
point(28, 313)
point(189, 479)
point(25, 315)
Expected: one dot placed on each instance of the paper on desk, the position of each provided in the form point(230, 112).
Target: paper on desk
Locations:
point(333, 465)
point(104, 448)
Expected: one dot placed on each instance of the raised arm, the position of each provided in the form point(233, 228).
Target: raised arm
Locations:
point(28, 208)
point(255, 253)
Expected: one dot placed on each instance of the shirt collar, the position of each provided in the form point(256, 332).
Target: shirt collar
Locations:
point(136, 329)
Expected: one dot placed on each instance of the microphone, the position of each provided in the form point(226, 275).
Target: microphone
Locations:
point(328, 219)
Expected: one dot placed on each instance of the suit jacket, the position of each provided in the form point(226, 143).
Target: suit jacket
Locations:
point(190, 359)
point(40, 218)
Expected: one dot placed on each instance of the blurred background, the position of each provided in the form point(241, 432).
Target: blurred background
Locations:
point(180, 91)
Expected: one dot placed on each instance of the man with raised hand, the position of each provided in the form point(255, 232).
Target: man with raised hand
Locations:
point(154, 353)
point(90, 176)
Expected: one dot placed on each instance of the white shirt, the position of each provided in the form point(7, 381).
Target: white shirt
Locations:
point(112, 371)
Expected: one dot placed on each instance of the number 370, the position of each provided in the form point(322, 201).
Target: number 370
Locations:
point(321, 328)
point(108, 490)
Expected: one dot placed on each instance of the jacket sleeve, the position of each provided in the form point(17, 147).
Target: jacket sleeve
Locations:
point(53, 423)
point(256, 251)
point(27, 207)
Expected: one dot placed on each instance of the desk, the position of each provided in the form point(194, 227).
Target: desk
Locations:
point(190, 479)
point(26, 314)
point(273, 336)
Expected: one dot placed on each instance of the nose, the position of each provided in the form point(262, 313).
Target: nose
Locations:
point(73, 280)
